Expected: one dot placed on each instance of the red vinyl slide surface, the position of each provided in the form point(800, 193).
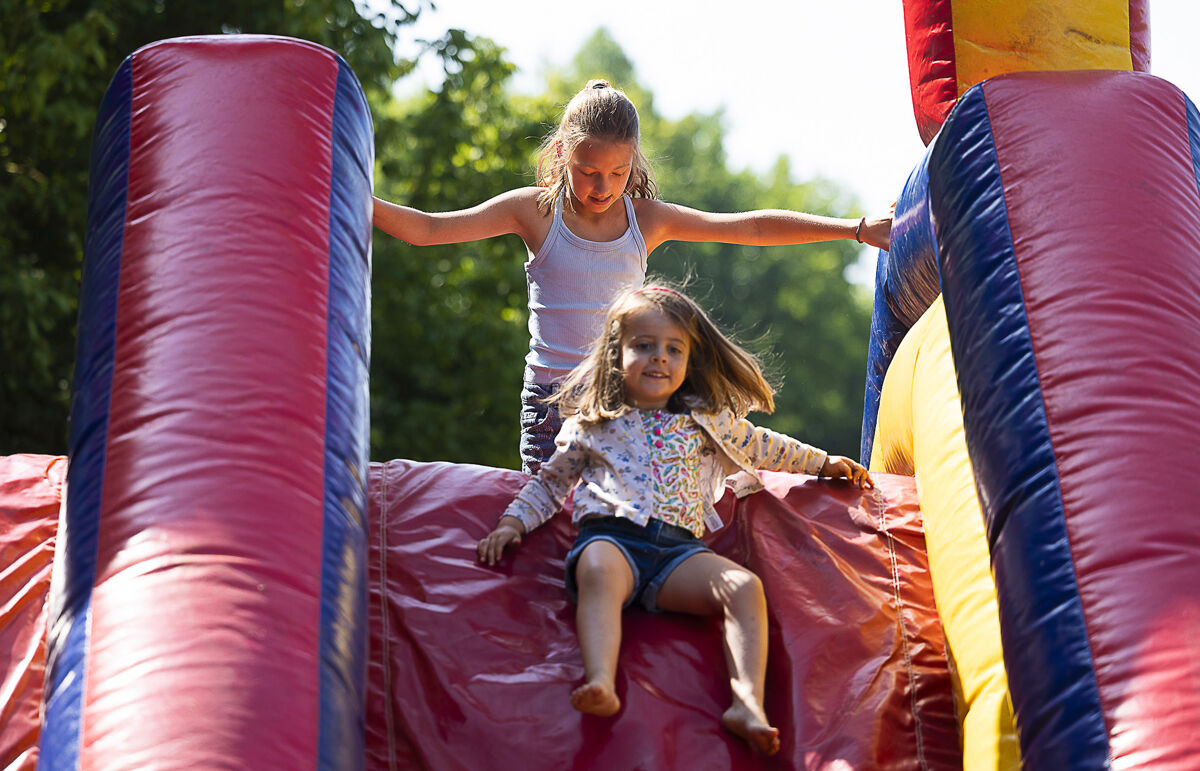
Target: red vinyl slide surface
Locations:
point(471, 666)
point(31, 489)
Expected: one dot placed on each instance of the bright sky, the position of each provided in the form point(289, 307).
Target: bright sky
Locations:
point(825, 83)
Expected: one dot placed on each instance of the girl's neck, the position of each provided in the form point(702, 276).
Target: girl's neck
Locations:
point(664, 408)
point(608, 225)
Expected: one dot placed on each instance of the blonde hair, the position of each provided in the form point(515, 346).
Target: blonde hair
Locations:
point(720, 373)
point(599, 111)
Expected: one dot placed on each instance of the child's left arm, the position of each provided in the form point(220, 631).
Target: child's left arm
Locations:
point(841, 467)
point(767, 449)
point(661, 221)
point(774, 451)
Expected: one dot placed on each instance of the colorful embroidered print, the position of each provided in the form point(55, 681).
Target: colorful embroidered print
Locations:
point(675, 445)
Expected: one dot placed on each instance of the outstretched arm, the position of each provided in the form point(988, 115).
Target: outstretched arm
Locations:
point(877, 232)
point(767, 449)
point(661, 221)
point(510, 212)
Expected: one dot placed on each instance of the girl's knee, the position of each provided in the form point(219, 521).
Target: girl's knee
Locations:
point(742, 586)
point(602, 565)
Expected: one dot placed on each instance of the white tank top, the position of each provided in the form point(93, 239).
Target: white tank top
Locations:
point(571, 281)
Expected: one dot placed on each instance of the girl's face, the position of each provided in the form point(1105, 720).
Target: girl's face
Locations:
point(654, 358)
point(598, 171)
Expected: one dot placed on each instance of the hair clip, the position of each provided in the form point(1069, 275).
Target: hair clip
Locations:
point(645, 289)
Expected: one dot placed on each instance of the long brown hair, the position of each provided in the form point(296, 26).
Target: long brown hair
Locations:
point(720, 373)
point(599, 111)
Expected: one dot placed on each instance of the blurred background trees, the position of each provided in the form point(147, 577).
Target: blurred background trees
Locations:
point(56, 59)
point(449, 323)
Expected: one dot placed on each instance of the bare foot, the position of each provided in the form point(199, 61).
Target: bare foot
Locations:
point(595, 699)
point(753, 727)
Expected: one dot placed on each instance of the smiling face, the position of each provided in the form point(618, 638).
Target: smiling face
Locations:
point(598, 171)
point(654, 358)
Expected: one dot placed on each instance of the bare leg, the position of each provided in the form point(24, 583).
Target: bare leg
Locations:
point(707, 584)
point(605, 582)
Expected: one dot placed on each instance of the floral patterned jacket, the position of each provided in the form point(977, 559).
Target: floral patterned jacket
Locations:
point(610, 461)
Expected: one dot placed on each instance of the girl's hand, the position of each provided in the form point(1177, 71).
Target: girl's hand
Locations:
point(877, 232)
point(491, 547)
point(838, 466)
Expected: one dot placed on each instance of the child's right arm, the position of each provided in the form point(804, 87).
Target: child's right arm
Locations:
point(511, 212)
point(540, 497)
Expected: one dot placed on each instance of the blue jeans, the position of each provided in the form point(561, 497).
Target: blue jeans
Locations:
point(539, 425)
point(653, 552)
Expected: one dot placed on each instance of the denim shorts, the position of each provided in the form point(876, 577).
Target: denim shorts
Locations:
point(540, 423)
point(653, 552)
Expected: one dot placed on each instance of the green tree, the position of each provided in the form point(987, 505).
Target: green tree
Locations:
point(56, 59)
point(449, 323)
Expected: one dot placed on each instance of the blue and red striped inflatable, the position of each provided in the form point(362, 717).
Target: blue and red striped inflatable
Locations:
point(210, 592)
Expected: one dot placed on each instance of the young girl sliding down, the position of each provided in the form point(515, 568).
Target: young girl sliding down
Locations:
point(589, 225)
point(654, 424)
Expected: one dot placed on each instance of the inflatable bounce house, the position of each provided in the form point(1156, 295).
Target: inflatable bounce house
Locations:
point(217, 577)
point(1033, 365)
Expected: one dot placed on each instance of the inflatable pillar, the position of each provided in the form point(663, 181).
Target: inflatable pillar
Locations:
point(1067, 210)
point(955, 214)
point(209, 599)
point(955, 44)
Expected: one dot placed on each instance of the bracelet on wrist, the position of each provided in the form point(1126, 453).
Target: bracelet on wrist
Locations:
point(858, 230)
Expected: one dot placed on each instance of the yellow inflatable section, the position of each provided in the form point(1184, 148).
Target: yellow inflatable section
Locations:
point(992, 37)
point(920, 427)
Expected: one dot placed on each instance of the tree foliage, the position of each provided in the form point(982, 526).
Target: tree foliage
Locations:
point(56, 59)
point(449, 323)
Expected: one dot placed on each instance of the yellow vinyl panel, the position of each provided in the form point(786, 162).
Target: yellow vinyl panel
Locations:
point(992, 37)
point(920, 431)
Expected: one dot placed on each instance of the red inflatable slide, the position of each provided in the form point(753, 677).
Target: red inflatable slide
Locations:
point(31, 490)
point(470, 666)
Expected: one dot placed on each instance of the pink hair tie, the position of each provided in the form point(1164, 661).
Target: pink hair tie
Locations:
point(643, 290)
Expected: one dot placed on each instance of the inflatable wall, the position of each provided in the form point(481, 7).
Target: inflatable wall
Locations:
point(30, 497)
point(1045, 267)
point(470, 667)
point(223, 593)
point(209, 592)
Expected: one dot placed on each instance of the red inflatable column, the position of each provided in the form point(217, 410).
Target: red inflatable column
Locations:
point(211, 611)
